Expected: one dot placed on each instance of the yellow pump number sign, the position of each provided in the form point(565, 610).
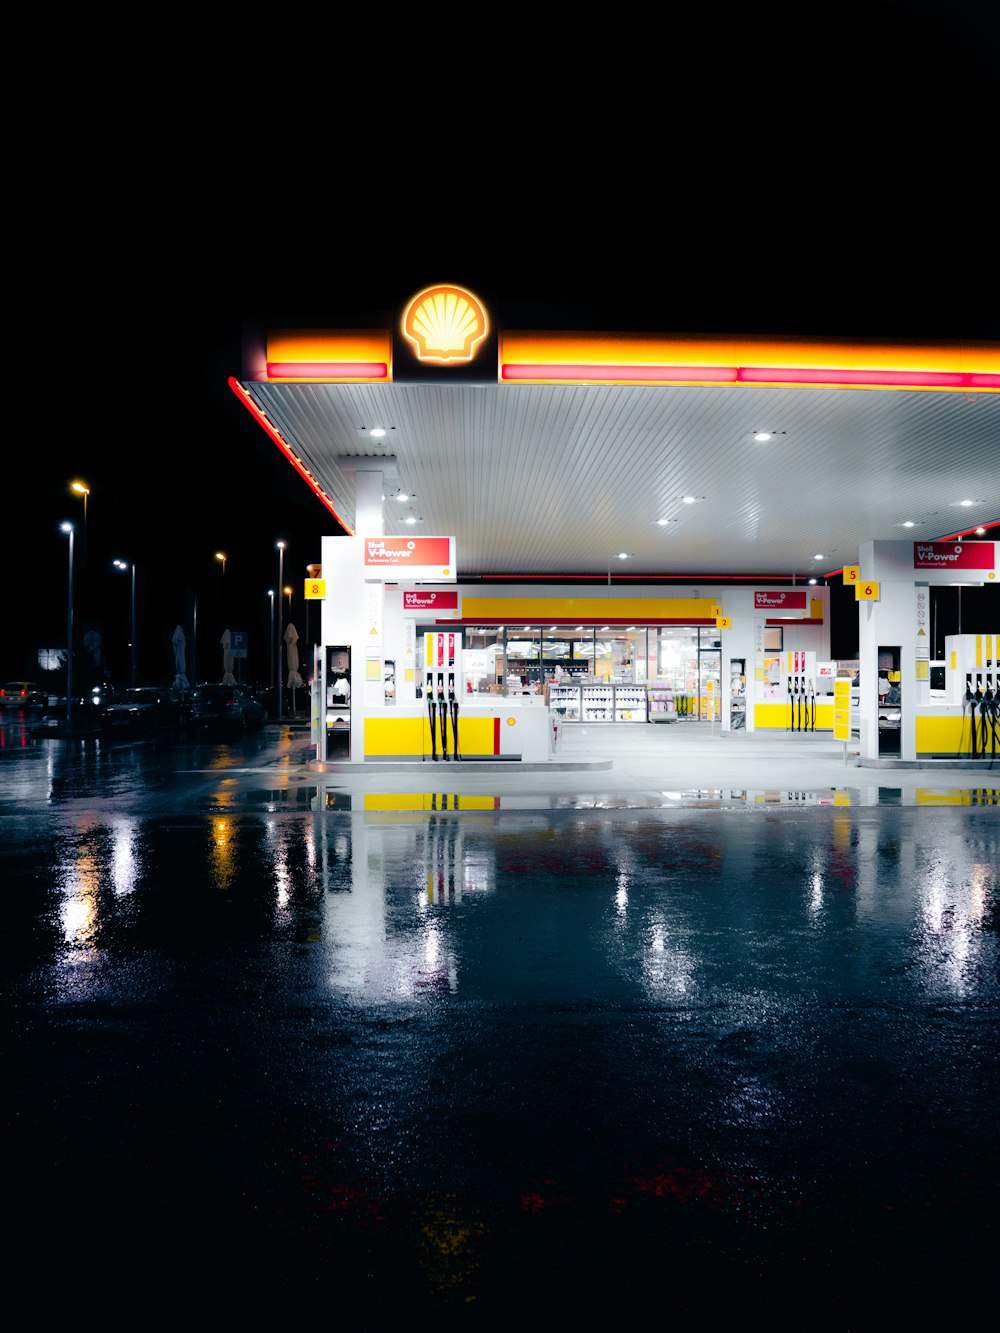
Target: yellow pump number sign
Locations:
point(866, 591)
point(315, 588)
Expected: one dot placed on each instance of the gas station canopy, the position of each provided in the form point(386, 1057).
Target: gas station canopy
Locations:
point(554, 454)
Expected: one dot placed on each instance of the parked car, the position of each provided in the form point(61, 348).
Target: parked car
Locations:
point(143, 708)
point(223, 708)
point(22, 694)
point(97, 698)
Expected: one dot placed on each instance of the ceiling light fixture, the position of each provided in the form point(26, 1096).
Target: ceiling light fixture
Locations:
point(376, 432)
point(908, 523)
point(762, 435)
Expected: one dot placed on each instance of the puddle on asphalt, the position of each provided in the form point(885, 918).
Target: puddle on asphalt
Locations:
point(708, 798)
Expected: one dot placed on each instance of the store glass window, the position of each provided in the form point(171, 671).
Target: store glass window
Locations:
point(482, 658)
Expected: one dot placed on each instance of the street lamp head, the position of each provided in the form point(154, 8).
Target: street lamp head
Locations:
point(80, 488)
point(119, 564)
point(281, 546)
point(65, 527)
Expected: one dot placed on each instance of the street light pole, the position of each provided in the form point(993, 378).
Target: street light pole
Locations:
point(281, 575)
point(270, 593)
point(68, 528)
point(123, 565)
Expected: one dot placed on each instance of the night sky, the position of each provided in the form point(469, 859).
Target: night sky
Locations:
point(835, 182)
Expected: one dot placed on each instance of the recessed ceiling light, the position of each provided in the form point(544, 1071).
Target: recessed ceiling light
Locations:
point(966, 503)
point(689, 499)
point(376, 432)
point(762, 435)
point(812, 580)
point(662, 522)
point(980, 531)
point(623, 555)
point(819, 557)
point(908, 523)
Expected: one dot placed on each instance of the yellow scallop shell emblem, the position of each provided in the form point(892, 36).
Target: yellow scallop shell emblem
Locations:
point(445, 323)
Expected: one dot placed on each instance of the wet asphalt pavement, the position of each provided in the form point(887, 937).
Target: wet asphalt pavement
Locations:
point(274, 1053)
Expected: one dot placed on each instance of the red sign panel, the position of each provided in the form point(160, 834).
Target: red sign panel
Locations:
point(403, 552)
point(954, 555)
point(430, 601)
point(778, 600)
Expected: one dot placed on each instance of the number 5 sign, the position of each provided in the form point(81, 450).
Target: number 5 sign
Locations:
point(866, 592)
point(852, 574)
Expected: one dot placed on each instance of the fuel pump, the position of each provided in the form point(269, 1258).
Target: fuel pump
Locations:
point(442, 705)
point(443, 679)
point(972, 678)
point(799, 668)
point(453, 696)
point(811, 703)
point(432, 714)
point(429, 690)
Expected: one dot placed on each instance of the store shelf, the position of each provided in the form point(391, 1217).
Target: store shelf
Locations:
point(662, 705)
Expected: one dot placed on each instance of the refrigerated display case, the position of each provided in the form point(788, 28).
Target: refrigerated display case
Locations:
point(599, 703)
point(630, 703)
point(567, 699)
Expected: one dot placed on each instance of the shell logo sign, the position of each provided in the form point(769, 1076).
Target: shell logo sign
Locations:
point(445, 323)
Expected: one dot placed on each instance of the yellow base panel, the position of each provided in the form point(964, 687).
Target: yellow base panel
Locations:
point(412, 736)
point(943, 735)
point(783, 717)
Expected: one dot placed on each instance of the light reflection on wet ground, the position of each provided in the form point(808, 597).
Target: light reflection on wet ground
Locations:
point(327, 797)
point(271, 1052)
